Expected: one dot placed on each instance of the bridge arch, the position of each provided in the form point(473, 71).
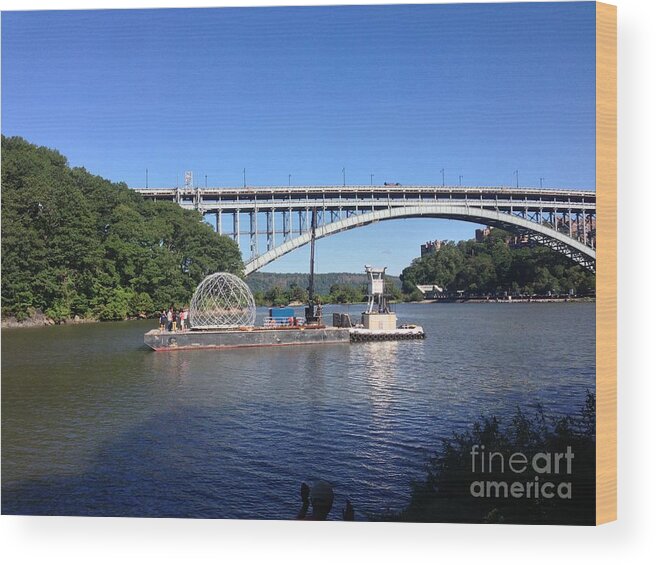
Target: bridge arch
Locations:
point(542, 234)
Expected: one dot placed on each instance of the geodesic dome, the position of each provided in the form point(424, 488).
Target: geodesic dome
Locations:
point(222, 300)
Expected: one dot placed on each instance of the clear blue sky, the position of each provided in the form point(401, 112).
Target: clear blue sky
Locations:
point(397, 91)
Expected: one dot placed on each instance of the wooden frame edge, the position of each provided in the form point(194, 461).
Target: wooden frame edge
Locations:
point(606, 305)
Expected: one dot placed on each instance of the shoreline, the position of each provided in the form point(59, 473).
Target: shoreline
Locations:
point(504, 300)
point(40, 320)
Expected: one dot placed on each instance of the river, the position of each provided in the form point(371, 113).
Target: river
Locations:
point(94, 423)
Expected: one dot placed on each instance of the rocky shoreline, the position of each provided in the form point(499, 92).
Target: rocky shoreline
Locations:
point(39, 319)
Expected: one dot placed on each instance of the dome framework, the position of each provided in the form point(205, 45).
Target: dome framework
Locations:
point(222, 301)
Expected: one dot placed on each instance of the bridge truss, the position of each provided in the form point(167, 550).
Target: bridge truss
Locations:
point(277, 220)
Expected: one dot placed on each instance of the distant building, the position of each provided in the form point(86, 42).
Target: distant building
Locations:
point(431, 246)
point(577, 230)
point(516, 241)
point(512, 241)
point(482, 234)
point(430, 291)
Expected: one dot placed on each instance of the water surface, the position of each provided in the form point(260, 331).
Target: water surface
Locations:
point(94, 423)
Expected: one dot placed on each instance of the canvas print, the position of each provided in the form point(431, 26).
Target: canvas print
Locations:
point(301, 263)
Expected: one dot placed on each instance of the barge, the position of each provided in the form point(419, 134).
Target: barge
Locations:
point(244, 337)
point(222, 316)
point(378, 322)
point(362, 334)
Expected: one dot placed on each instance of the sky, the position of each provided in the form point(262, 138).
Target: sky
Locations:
point(399, 92)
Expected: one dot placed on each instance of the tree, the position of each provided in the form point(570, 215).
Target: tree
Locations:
point(76, 244)
point(493, 267)
point(276, 296)
point(297, 294)
point(445, 493)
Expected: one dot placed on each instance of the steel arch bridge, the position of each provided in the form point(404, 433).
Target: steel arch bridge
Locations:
point(278, 218)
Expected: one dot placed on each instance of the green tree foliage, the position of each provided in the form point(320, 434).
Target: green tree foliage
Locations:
point(274, 289)
point(337, 294)
point(261, 281)
point(297, 294)
point(414, 296)
point(345, 294)
point(276, 296)
point(493, 267)
point(444, 495)
point(76, 244)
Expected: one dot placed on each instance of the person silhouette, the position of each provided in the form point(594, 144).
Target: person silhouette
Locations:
point(321, 497)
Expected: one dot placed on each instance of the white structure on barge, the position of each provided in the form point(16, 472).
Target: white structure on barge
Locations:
point(378, 322)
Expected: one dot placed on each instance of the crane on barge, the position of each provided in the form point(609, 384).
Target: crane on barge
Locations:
point(313, 311)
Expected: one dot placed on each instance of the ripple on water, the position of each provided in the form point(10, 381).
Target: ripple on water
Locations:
point(93, 423)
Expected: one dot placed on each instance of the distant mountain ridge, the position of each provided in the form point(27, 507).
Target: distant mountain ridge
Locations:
point(262, 282)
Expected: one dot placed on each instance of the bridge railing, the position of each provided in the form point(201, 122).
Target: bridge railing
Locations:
point(363, 188)
point(333, 204)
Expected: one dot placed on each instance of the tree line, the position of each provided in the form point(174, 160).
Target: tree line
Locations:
point(493, 267)
point(337, 293)
point(75, 244)
point(264, 282)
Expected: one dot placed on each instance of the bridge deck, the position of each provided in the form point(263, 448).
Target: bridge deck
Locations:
point(563, 219)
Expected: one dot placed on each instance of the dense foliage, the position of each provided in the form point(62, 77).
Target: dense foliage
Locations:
point(76, 244)
point(493, 267)
point(264, 282)
point(337, 294)
point(445, 494)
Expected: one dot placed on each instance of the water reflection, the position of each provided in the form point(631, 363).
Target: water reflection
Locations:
point(380, 368)
point(93, 423)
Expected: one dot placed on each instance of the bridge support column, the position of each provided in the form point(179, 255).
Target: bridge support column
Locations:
point(286, 216)
point(235, 226)
point(283, 228)
point(270, 230)
point(219, 227)
point(253, 230)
